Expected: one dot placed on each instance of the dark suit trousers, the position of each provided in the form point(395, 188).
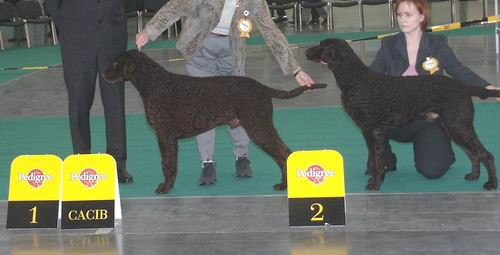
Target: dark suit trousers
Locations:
point(80, 77)
point(432, 150)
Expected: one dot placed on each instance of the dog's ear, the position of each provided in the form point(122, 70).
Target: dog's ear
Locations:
point(128, 71)
point(112, 73)
point(325, 56)
point(330, 55)
point(337, 54)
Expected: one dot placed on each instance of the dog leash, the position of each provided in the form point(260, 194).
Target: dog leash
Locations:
point(30, 68)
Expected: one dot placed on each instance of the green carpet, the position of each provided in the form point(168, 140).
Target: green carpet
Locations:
point(301, 129)
point(46, 55)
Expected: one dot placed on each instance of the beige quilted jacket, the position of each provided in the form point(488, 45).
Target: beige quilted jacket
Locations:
point(202, 17)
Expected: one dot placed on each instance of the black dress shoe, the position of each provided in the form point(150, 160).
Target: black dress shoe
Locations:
point(124, 176)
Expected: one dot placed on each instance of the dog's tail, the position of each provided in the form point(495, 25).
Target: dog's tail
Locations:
point(482, 93)
point(283, 94)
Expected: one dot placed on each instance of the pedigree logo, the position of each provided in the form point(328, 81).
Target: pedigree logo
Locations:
point(88, 177)
point(315, 174)
point(35, 178)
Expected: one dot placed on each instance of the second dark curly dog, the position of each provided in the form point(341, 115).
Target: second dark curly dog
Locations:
point(180, 106)
point(378, 102)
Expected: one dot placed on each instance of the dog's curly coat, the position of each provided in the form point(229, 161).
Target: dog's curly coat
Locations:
point(180, 106)
point(378, 102)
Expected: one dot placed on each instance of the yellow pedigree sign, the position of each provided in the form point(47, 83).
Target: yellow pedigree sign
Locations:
point(89, 177)
point(35, 178)
point(318, 173)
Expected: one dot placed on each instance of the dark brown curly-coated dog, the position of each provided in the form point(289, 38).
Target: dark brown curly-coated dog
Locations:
point(180, 106)
point(378, 102)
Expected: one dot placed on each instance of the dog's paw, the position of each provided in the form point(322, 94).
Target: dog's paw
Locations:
point(471, 177)
point(280, 186)
point(163, 188)
point(372, 187)
point(490, 185)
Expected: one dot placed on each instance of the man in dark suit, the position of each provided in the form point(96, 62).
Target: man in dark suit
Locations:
point(92, 33)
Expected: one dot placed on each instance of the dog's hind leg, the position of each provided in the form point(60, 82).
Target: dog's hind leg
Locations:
point(168, 151)
point(267, 138)
point(477, 153)
point(462, 132)
point(475, 162)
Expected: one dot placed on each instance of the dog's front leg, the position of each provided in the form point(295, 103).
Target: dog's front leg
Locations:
point(168, 151)
point(371, 152)
point(377, 140)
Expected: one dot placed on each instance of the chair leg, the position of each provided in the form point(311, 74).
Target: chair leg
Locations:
point(300, 17)
point(55, 40)
point(361, 15)
point(453, 11)
point(485, 8)
point(295, 18)
point(1, 40)
point(139, 21)
point(391, 14)
point(329, 21)
point(27, 32)
point(333, 22)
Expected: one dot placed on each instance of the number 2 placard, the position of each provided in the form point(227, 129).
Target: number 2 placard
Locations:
point(316, 192)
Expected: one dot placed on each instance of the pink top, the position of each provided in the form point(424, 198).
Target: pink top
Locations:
point(411, 71)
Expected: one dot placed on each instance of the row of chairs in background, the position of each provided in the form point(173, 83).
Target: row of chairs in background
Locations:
point(147, 8)
point(23, 13)
point(299, 5)
point(141, 9)
point(20, 13)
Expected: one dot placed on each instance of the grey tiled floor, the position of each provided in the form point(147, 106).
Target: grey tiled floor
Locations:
point(426, 223)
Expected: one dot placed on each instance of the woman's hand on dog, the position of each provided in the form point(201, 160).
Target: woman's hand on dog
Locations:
point(493, 87)
point(303, 79)
point(141, 39)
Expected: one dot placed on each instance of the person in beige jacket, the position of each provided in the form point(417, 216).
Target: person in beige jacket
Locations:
point(213, 42)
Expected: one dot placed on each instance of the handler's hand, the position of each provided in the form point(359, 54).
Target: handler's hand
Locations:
point(493, 87)
point(303, 79)
point(141, 39)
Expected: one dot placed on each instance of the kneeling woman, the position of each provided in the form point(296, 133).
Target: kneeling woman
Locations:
point(414, 52)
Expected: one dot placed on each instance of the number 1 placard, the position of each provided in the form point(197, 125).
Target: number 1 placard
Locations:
point(34, 191)
point(316, 193)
